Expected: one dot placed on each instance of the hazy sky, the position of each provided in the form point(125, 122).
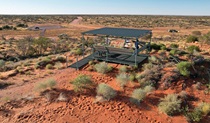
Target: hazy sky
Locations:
point(148, 7)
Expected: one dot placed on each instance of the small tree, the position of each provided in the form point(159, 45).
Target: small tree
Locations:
point(170, 104)
point(105, 91)
point(81, 83)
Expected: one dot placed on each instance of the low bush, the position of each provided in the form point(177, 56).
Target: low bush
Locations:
point(170, 104)
point(105, 91)
point(81, 83)
point(2, 65)
point(183, 68)
point(204, 108)
point(139, 94)
point(132, 77)
point(194, 116)
point(60, 59)
point(103, 67)
point(174, 46)
point(191, 39)
point(156, 46)
point(191, 49)
point(123, 69)
point(49, 66)
point(50, 83)
point(122, 79)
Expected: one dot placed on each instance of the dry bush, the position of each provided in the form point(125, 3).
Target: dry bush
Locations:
point(105, 91)
point(139, 94)
point(123, 69)
point(122, 79)
point(81, 83)
point(103, 67)
point(170, 104)
point(183, 68)
point(50, 83)
point(62, 97)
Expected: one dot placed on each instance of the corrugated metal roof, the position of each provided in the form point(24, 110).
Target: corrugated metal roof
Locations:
point(119, 32)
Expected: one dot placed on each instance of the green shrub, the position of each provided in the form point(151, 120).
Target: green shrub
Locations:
point(122, 79)
point(123, 69)
point(50, 83)
point(173, 52)
point(183, 68)
point(153, 59)
point(156, 46)
point(78, 51)
point(137, 96)
point(103, 67)
point(191, 39)
point(170, 104)
point(193, 48)
point(194, 116)
point(49, 66)
point(106, 91)
point(174, 46)
point(81, 83)
point(147, 66)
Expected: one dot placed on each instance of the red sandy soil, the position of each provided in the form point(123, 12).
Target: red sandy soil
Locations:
point(81, 107)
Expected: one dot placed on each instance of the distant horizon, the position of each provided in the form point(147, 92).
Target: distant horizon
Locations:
point(100, 15)
point(108, 7)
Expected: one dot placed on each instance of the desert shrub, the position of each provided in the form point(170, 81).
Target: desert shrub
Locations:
point(91, 62)
point(183, 68)
point(153, 59)
point(2, 64)
point(123, 69)
point(148, 89)
point(147, 66)
point(22, 25)
point(183, 94)
point(173, 52)
point(170, 104)
point(137, 96)
point(1, 28)
point(60, 58)
point(192, 38)
point(50, 83)
point(103, 67)
point(58, 65)
point(81, 83)
point(174, 46)
point(204, 108)
point(194, 116)
point(44, 62)
point(193, 48)
point(132, 77)
point(156, 46)
point(122, 79)
point(150, 76)
point(49, 66)
point(196, 33)
point(106, 91)
point(78, 51)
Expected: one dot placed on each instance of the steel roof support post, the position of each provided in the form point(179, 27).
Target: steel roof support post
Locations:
point(150, 41)
point(136, 51)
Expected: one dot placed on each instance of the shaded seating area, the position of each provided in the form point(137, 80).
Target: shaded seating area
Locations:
point(120, 55)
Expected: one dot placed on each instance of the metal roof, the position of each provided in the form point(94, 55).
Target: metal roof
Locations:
point(119, 32)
